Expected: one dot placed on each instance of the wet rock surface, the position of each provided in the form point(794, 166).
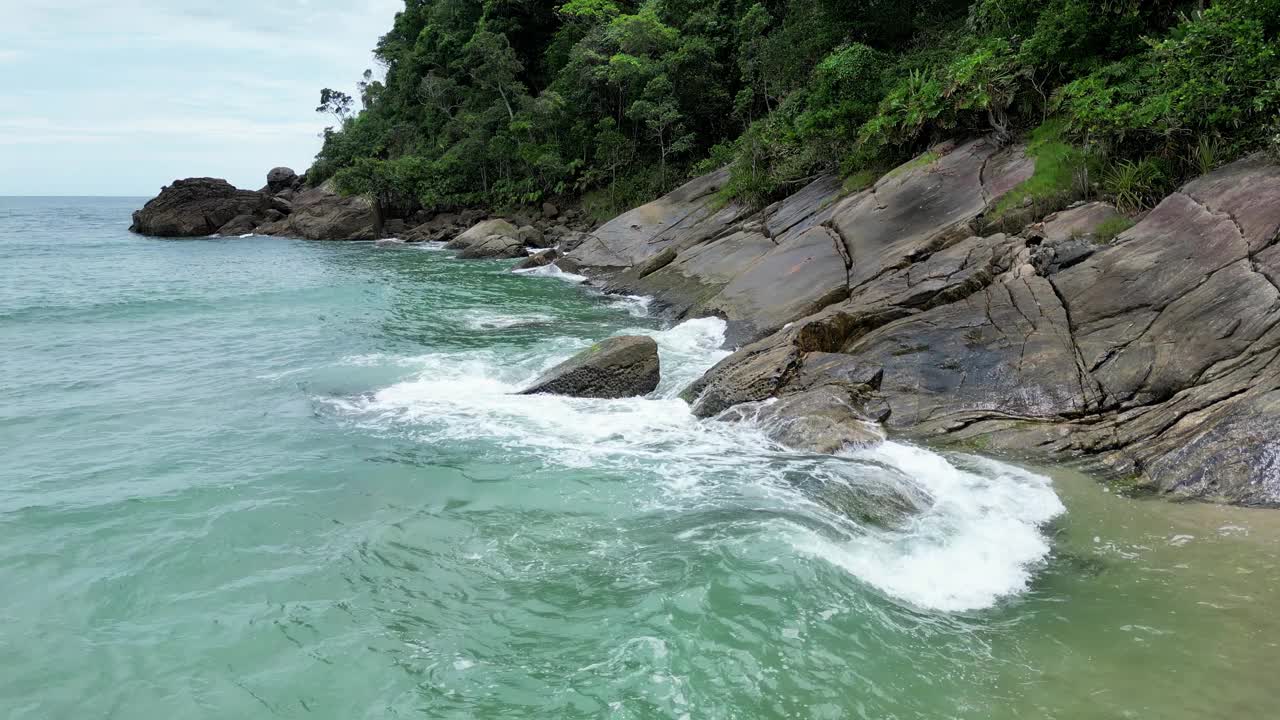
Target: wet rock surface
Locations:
point(1149, 353)
point(823, 420)
point(618, 367)
point(537, 260)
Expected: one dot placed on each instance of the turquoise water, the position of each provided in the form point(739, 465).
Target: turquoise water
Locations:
point(254, 477)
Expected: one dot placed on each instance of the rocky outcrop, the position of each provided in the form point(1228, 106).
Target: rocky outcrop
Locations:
point(699, 256)
point(482, 231)
point(537, 260)
point(322, 213)
point(1153, 358)
point(203, 206)
point(615, 368)
point(1149, 353)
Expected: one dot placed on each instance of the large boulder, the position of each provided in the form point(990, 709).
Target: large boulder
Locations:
point(494, 246)
point(322, 213)
point(200, 206)
point(280, 179)
point(615, 368)
point(482, 231)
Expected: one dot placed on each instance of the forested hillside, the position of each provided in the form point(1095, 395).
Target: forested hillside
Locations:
point(501, 102)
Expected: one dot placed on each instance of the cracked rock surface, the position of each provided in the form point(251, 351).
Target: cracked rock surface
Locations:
point(1154, 357)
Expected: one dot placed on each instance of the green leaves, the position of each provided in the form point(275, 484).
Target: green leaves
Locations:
point(496, 101)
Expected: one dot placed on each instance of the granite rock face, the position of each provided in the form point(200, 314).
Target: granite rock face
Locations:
point(202, 206)
point(1154, 357)
point(322, 213)
point(618, 367)
point(1150, 356)
point(803, 254)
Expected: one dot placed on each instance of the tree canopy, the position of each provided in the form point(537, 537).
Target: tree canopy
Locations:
point(500, 102)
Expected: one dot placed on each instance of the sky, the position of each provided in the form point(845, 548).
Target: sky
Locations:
point(123, 97)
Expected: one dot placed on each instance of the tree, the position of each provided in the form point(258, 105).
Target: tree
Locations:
point(335, 103)
point(658, 110)
point(493, 65)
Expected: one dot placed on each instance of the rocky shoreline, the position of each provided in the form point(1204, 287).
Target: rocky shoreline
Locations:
point(284, 207)
point(922, 306)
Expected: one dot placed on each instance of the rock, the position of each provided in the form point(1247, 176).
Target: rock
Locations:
point(394, 228)
point(685, 216)
point(886, 499)
point(1154, 358)
point(481, 232)
point(550, 211)
point(282, 178)
point(571, 240)
point(239, 225)
point(546, 257)
point(822, 420)
point(389, 243)
point(804, 253)
point(1069, 237)
point(531, 237)
point(615, 368)
point(322, 213)
point(198, 206)
point(494, 246)
point(444, 226)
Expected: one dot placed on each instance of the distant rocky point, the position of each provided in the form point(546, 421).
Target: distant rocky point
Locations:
point(285, 206)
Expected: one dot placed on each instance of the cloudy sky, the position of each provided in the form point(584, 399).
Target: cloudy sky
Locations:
point(121, 97)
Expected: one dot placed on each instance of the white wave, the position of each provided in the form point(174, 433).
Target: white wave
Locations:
point(483, 320)
point(635, 305)
point(687, 350)
point(551, 271)
point(979, 541)
point(430, 246)
point(247, 235)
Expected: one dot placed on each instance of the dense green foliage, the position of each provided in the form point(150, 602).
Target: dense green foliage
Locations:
point(499, 102)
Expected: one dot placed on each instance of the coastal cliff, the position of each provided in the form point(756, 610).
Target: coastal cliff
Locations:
point(1153, 356)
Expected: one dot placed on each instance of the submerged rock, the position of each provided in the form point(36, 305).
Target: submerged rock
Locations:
point(615, 368)
point(823, 420)
point(546, 257)
point(201, 206)
point(239, 225)
point(389, 243)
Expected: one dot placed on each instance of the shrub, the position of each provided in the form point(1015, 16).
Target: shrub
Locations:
point(1134, 185)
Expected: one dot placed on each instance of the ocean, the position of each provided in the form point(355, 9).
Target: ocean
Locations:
point(254, 477)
